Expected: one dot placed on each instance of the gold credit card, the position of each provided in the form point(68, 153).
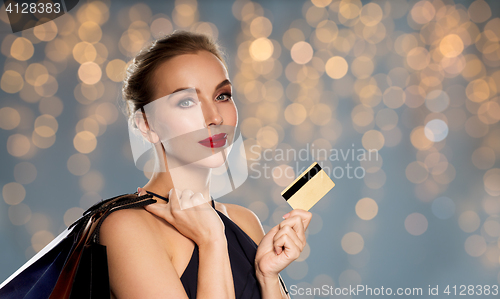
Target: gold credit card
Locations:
point(308, 188)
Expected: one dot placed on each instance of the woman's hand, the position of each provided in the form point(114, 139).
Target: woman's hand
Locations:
point(282, 244)
point(198, 221)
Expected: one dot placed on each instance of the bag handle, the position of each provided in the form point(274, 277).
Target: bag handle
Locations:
point(96, 213)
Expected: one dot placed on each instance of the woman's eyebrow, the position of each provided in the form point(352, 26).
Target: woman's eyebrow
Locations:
point(223, 83)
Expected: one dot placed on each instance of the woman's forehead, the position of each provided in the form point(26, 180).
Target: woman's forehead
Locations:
point(203, 71)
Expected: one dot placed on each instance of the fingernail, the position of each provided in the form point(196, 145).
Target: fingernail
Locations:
point(286, 215)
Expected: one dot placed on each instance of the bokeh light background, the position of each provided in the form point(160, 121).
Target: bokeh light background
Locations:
point(417, 80)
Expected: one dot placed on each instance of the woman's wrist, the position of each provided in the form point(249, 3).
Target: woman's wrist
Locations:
point(269, 286)
point(213, 243)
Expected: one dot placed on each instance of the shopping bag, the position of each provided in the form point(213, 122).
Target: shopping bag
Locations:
point(74, 264)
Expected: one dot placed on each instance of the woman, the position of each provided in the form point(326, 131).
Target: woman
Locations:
point(187, 245)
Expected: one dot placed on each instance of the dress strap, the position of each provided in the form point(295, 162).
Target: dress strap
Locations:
point(157, 195)
point(213, 204)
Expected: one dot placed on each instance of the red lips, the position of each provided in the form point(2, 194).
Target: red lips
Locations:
point(217, 140)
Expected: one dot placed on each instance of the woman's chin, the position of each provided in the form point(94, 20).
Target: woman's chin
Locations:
point(213, 161)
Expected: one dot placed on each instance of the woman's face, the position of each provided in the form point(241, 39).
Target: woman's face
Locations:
point(194, 95)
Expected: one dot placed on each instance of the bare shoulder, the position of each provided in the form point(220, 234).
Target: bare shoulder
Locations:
point(126, 221)
point(125, 227)
point(247, 220)
point(139, 266)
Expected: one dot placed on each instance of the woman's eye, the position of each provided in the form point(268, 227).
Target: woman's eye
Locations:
point(223, 97)
point(186, 103)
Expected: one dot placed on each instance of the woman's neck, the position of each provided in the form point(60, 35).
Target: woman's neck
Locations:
point(189, 177)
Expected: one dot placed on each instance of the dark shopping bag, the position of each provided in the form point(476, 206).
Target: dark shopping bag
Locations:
point(74, 264)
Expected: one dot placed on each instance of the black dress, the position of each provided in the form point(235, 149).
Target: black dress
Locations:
point(242, 250)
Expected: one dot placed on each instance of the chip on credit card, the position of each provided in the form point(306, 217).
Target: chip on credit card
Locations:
point(308, 188)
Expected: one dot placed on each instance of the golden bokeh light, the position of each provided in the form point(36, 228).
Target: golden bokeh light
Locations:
point(46, 125)
point(352, 243)
point(423, 12)
point(36, 74)
point(22, 49)
point(419, 139)
point(19, 214)
point(492, 226)
point(161, 27)
point(85, 142)
point(295, 113)
point(13, 193)
point(336, 67)
point(58, 50)
point(115, 70)
point(489, 112)
point(72, 215)
point(469, 221)
point(301, 52)
point(283, 175)
point(451, 45)
point(394, 97)
point(475, 127)
point(416, 224)
point(373, 140)
point(40, 239)
point(351, 10)
point(371, 14)
point(49, 88)
point(92, 181)
point(491, 179)
point(418, 58)
point(437, 100)
point(479, 11)
point(267, 137)
point(362, 115)
point(321, 3)
point(261, 49)
point(46, 31)
point(327, 31)
point(11, 81)
point(84, 51)
point(475, 245)
point(261, 27)
point(9, 118)
point(18, 145)
point(90, 73)
point(96, 11)
point(366, 208)
point(483, 157)
point(362, 67)
point(320, 114)
point(90, 32)
point(416, 172)
point(478, 90)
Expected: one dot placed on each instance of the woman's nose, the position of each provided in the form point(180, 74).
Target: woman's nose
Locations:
point(211, 114)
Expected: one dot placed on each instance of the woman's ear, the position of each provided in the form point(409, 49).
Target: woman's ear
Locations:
point(143, 125)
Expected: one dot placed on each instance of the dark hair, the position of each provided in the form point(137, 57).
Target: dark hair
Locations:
point(138, 85)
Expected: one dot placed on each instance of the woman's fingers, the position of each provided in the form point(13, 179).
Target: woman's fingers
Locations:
point(292, 234)
point(173, 199)
point(161, 210)
point(291, 249)
point(296, 223)
point(197, 199)
point(304, 215)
